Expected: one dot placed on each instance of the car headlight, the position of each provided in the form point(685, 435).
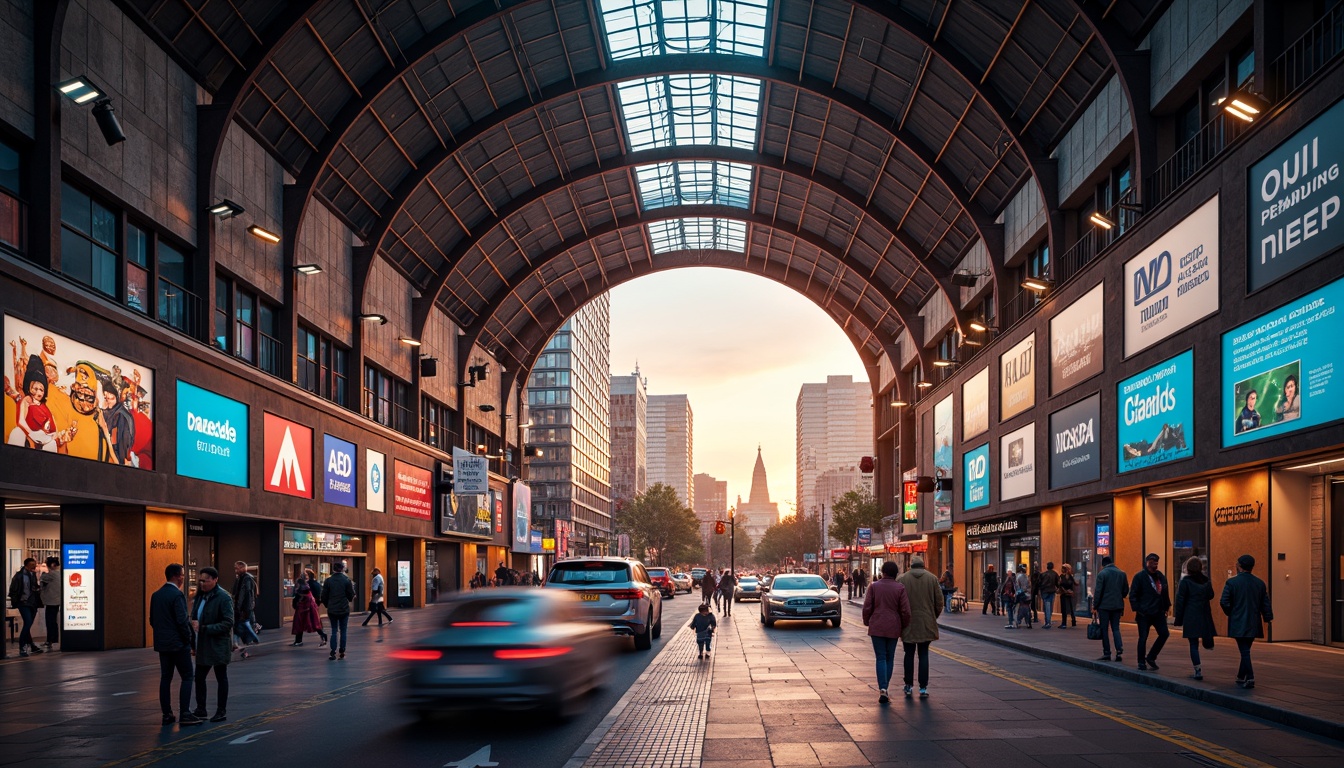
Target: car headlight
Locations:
point(835, 599)
point(776, 600)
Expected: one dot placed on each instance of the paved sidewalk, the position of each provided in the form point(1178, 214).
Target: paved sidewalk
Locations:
point(1296, 684)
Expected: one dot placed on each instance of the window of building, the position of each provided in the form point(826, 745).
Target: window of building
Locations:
point(88, 241)
point(177, 307)
point(247, 325)
point(434, 424)
point(1038, 261)
point(321, 366)
point(11, 193)
point(1189, 533)
point(387, 400)
point(137, 268)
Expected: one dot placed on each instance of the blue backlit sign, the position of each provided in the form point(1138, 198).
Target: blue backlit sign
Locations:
point(338, 461)
point(211, 436)
point(975, 486)
point(1156, 413)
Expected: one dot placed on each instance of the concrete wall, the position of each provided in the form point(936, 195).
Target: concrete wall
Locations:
point(1103, 126)
point(252, 178)
point(388, 294)
point(16, 93)
point(1024, 222)
point(325, 300)
point(1187, 31)
point(937, 314)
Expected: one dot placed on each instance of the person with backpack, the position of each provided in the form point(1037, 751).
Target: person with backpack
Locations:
point(1022, 598)
point(948, 584)
point(703, 623)
point(1008, 596)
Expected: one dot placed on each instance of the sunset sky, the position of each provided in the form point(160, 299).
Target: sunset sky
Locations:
point(740, 347)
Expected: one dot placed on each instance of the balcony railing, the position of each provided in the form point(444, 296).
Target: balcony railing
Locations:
point(13, 214)
point(181, 309)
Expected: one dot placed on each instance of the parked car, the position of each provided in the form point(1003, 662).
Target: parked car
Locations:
point(616, 592)
point(662, 579)
point(682, 582)
point(748, 588)
point(697, 575)
point(800, 597)
point(509, 648)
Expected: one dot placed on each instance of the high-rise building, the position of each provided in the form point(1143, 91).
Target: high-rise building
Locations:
point(671, 449)
point(758, 513)
point(835, 430)
point(711, 503)
point(569, 401)
point(629, 436)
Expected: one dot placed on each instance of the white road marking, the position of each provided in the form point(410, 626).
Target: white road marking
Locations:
point(478, 759)
point(249, 738)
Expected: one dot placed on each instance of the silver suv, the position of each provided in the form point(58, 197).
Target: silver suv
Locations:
point(615, 591)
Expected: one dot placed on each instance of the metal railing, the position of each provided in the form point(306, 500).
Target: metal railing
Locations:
point(13, 216)
point(181, 309)
point(1308, 55)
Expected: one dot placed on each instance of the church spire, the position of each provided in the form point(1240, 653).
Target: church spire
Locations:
point(760, 490)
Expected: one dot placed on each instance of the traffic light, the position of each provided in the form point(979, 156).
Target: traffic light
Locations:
point(719, 527)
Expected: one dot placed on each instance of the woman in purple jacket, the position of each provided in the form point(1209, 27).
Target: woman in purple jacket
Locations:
point(886, 613)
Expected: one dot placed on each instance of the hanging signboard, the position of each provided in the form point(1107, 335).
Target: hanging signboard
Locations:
point(471, 474)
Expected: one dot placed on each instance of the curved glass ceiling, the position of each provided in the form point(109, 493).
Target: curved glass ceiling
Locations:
point(650, 27)
point(694, 182)
point(696, 234)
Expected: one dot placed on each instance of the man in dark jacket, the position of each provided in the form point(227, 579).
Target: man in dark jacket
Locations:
point(989, 591)
point(1151, 599)
point(212, 620)
point(338, 594)
point(1048, 585)
point(728, 586)
point(25, 596)
point(173, 642)
point(1245, 600)
point(244, 603)
point(1108, 603)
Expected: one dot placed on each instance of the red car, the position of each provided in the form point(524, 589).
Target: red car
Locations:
point(662, 579)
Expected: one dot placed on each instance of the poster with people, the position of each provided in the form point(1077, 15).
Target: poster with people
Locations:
point(1156, 411)
point(65, 397)
point(942, 464)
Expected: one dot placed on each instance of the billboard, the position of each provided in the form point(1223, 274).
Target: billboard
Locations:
point(1292, 199)
point(211, 436)
point(1278, 369)
point(942, 464)
point(287, 448)
point(975, 482)
point(1017, 463)
point(910, 502)
point(78, 568)
point(1075, 453)
point(975, 405)
point(1077, 352)
point(412, 491)
point(339, 477)
point(471, 473)
point(65, 397)
point(375, 481)
point(522, 517)
point(1174, 282)
point(1017, 378)
point(1156, 409)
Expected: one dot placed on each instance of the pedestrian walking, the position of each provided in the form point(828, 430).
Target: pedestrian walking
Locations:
point(1008, 595)
point(727, 586)
point(173, 641)
point(1049, 588)
point(1034, 592)
point(1194, 614)
point(851, 579)
point(377, 604)
point(926, 605)
point(1108, 604)
point(1068, 604)
point(244, 606)
point(212, 621)
point(338, 595)
point(709, 588)
point(861, 576)
point(1150, 599)
point(703, 623)
point(948, 584)
point(1022, 598)
point(989, 591)
point(49, 584)
point(306, 616)
point(886, 614)
point(838, 580)
point(1245, 601)
point(25, 596)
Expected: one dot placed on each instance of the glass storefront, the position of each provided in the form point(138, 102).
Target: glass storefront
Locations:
point(318, 551)
point(1189, 535)
point(1090, 531)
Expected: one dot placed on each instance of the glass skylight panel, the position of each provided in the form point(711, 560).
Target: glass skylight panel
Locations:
point(694, 182)
point(651, 27)
point(690, 109)
point(697, 234)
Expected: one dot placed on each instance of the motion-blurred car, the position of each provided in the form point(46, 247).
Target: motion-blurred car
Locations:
point(800, 597)
point(616, 592)
point(748, 588)
point(662, 579)
point(509, 648)
point(697, 575)
point(682, 582)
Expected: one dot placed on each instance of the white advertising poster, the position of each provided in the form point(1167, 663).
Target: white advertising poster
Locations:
point(1017, 463)
point(471, 474)
point(403, 578)
point(80, 587)
point(1174, 282)
point(375, 481)
point(975, 405)
point(522, 518)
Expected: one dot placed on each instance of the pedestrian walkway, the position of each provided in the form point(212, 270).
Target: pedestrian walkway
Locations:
point(1296, 684)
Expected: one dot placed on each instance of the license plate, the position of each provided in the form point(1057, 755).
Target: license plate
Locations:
point(467, 671)
point(804, 610)
point(589, 597)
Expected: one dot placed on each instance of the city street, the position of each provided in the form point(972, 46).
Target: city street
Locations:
point(796, 694)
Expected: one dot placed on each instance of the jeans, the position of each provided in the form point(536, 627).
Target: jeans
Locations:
point(1111, 620)
point(1008, 602)
point(947, 600)
point(1194, 650)
point(884, 649)
point(1157, 623)
point(53, 624)
point(179, 661)
point(242, 629)
point(340, 627)
point(1244, 670)
point(910, 649)
point(727, 604)
point(221, 677)
point(702, 645)
point(1047, 607)
point(1067, 611)
point(378, 609)
point(28, 613)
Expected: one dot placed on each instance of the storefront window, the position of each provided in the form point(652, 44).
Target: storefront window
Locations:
point(1189, 534)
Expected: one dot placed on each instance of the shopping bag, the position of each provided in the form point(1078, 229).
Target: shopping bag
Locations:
point(1094, 630)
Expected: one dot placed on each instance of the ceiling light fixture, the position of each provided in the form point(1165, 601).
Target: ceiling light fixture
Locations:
point(944, 362)
point(1038, 284)
point(225, 209)
point(263, 234)
point(80, 90)
point(408, 341)
point(308, 269)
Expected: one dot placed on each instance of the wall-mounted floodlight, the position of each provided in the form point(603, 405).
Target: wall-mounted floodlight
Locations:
point(225, 209)
point(408, 341)
point(308, 269)
point(1038, 284)
point(1245, 105)
point(80, 90)
point(263, 234)
point(373, 317)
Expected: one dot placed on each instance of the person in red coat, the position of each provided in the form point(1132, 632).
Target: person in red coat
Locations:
point(306, 617)
point(886, 613)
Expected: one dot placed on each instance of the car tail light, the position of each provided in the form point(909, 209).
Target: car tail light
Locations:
point(520, 654)
point(415, 654)
point(626, 594)
point(481, 624)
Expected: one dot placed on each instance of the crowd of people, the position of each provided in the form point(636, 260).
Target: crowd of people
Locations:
point(505, 576)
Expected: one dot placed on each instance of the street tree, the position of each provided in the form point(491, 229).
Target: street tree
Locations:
point(722, 548)
point(852, 511)
point(789, 538)
point(659, 525)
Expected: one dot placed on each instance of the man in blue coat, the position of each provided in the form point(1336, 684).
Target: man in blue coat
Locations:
point(1245, 600)
point(1108, 603)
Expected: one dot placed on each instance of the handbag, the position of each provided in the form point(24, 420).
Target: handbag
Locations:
point(1094, 630)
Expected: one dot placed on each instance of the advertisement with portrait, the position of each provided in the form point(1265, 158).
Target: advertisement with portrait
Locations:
point(975, 405)
point(942, 464)
point(412, 491)
point(375, 481)
point(339, 473)
point(1077, 352)
point(288, 456)
point(1173, 283)
point(1017, 463)
point(1075, 453)
point(1017, 378)
point(1157, 410)
point(65, 397)
point(1278, 369)
point(80, 606)
point(464, 515)
point(975, 480)
point(212, 436)
point(522, 517)
point(1292, 199)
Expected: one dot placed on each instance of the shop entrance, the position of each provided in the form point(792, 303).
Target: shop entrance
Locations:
point(1089, 536)
point(981, 554)
point(1337, 560)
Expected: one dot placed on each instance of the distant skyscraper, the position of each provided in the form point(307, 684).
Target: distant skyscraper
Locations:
point(569, 401)
point(711, 503)
point(835, 430)
point(671, 448)
point(629, 436)
point(758, 513)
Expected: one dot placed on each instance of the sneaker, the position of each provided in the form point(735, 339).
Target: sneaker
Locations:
point(219, 717)
point(908, 690)
point(296, 644)
point(35, 650)
point(1104, 658)
point(1143, 667)
point(1009, 626)
point(168, 719)
point(332, 656)
point(700, 655)
point(324, 642)
point(1199, 674)
point(200, 714)
point(1117, 657)
point(1249, 683)
point(23, 654)
point(1152, 664)
point(882, 697)
point(189, 719)
point(923, 693)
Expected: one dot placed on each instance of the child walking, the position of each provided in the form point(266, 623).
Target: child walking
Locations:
point(703, 623)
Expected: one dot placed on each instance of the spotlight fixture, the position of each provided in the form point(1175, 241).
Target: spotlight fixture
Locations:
point(924, 484)
point(478, 372)
point(1244, 105)
point(263, 234)
point(979, 326)
point(480, 449)
point(408, 341)
point(373, 316)
point(225, 209)
point(429, 367)
point(486, 407)
point(1101, 221)
point(923, 384)
point(532, 450)
point(944, 362)
point(898, 403)
point(106, 117)
point(80, 90)
point(966, 278)
point(308, 269)
point(1038, 284)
